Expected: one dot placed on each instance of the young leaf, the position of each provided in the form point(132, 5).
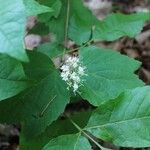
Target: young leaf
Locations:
point(42, 103)
point(124, 121)
point(12, 77)
point(118, 25)
point(108, 74)
point(12, 26)
point(33, 8)
point(67, 142)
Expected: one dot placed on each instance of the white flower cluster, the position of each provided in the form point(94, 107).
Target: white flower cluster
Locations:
point(72, 71)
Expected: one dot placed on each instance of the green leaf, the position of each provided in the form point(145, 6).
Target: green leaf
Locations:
point(41, 104)
point(86, 26)
point(118, 25)
point(80, 26)
point(12, 26)
point(57, 22)
point(51, 49)
point(57, 25)
point(33, 8)
point(55, 5)
point(76, 21)
point(57, 128)
point(67, 142)
point(108, 74)
point(12, 77)
point(13, 19)
point(124, 121)
point(40, 29)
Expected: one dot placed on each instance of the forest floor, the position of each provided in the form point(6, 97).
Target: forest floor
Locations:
point(138, 48)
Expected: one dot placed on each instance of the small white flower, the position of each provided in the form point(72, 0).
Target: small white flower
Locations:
point(73, 76)
point(64, 76)
point(75, 59)
point(65, 68)
point(75, 87)
point(72, 71)
point(81, 70)
point(77, 79)
point(69, 60)
point(74, 64)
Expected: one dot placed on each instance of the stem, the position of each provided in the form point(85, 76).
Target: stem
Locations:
point(66, 28)
point(84, 45)
point(67, 22)
point(88, 136)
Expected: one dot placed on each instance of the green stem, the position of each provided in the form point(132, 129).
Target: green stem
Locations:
point(66, 27)
point(88, 136)
point(67, 22)
point(84, 45)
